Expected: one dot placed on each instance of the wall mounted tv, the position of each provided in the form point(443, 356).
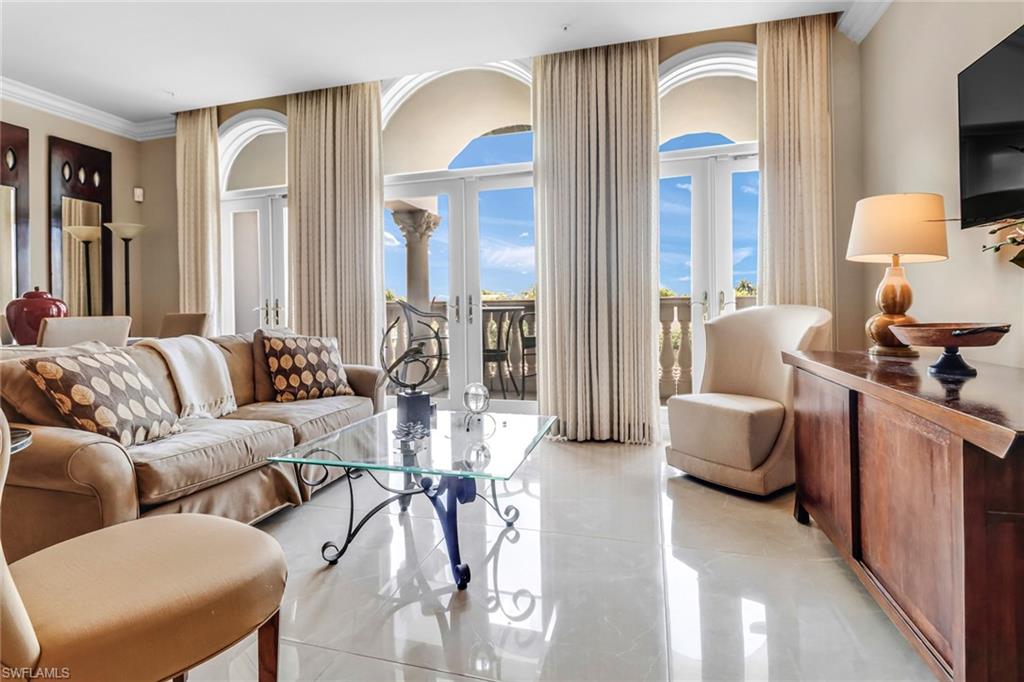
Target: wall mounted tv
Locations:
point(992, 135)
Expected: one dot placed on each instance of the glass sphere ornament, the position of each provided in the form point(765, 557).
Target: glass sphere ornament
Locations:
point(478, 455)
point(476, 398)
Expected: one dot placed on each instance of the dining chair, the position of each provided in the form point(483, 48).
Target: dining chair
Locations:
point(183, 324)
point(147, 599)
point(67, 331)
point(527, 348)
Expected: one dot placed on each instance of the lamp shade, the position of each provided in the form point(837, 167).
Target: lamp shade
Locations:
point(912, 226)
point(126, 230)
point(85, 233)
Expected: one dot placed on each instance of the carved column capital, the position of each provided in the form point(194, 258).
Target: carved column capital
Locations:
point(416, 226)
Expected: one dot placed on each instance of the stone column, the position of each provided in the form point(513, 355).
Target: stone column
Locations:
point(417, 225)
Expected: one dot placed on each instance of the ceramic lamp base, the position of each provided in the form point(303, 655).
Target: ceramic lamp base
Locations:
point(893, 298)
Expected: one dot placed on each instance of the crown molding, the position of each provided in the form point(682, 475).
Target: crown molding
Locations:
point(856, 22)
point(30, 96)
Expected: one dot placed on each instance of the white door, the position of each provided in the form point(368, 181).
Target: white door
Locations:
point(501, 284)
point(708, 252)
point(254, 265)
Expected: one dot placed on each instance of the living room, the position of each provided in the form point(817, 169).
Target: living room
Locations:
point(501, 341)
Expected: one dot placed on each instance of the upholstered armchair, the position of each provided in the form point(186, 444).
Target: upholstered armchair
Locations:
point(738, 431)
point(141, 600)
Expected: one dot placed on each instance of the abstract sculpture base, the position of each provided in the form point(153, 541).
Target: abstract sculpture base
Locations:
point(414, 407)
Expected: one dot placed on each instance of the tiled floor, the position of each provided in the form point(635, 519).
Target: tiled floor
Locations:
point(618, 569)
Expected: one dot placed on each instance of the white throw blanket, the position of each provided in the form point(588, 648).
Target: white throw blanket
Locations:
point(200, 374)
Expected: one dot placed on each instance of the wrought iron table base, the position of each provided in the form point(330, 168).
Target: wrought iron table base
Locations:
point(445, 496)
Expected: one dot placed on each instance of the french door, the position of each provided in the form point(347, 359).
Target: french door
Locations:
point(708, 252)
point(460, 258)
point(254, 260)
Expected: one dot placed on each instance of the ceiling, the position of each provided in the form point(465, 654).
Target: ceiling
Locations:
point(144, 60)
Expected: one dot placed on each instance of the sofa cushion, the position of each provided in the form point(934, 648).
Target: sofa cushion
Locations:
point(305, 367)
point(22, 400)
point(238, 353)
point(263, 383)
point(206, 452)
point(310, 419)
point(734, 430)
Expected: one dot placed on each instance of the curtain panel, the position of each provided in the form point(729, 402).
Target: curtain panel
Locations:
point(199, 239)
point(796, 259)
point(595, 116)
point(335, 217)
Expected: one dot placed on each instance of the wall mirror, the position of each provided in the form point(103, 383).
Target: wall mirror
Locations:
point(81, 249)
point(14, 236)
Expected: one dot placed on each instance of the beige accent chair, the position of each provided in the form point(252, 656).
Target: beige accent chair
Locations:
point(183, 324)
point(738, 431)
point(67, 331)
point(144, 600)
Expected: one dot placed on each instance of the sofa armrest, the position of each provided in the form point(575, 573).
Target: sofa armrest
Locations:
point(67, 482)
point(367, 381)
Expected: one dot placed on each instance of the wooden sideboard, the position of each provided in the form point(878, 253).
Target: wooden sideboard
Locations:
point(920, 486)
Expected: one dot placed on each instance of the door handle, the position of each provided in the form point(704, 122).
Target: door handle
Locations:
point(457, 308)
point(469, 312)
point(722, 303)
point(266, 311)
point(277, 312)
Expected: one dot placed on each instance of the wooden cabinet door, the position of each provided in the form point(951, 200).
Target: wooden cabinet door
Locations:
point(824, 470)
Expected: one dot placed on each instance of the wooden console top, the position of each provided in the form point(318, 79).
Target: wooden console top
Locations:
point(987, 410)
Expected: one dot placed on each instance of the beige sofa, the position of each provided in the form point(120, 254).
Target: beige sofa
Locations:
point(70, 482)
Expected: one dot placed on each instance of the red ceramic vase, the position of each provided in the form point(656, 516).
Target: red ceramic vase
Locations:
point(25, 314)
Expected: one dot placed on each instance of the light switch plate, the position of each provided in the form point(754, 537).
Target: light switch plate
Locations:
point(138, 194)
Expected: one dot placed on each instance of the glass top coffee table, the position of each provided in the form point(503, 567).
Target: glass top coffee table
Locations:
point(442, 464)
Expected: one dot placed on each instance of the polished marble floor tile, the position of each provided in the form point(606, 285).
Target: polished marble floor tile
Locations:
point(619, 568)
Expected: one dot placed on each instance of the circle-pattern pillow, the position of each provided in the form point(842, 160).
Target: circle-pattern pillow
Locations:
point(305, 367)
point(106, 393)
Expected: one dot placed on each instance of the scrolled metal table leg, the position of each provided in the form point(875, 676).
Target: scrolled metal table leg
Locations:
point(457, 491)
point(511, 513)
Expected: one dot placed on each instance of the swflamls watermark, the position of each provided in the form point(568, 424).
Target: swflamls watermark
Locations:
point(47, 673)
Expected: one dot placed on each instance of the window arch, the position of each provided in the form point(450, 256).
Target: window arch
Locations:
point(726, 58)
point(238, 131)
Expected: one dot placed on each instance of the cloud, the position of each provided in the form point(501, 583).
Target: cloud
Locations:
point(524, 234)
point(505, 256)
point(685, 186)
point(740, 255)
point(390, 239)
point(496, 221)
point(749, 189)
point(674, 208)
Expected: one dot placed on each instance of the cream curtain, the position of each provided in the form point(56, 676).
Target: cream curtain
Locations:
point(79, 212)
point(796, 260)
point(595, 116)
point(335, 217)
point(200, 285)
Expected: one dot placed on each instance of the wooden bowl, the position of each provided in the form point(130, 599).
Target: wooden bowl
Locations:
point(951, 336)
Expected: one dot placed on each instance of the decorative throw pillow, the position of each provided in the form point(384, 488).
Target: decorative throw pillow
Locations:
point(304, 367)
point(106, 393)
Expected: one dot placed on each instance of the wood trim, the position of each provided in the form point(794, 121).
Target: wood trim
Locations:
point(92, 159)
point(269, 638)
point(16, 138)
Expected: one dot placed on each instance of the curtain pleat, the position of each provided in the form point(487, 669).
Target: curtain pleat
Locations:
point(595, 115)
point(335, 217)
point(200, 284)
point(796, 259)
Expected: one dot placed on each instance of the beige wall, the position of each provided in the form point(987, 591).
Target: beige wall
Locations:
point(125, 160)
point(909, 66)
point(721, 104)
point(158, 247)
point(261, 163)
point(847, 180)
point(439, 119)
point(673, 45)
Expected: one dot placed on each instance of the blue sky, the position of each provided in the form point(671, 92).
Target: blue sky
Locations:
point(507, 235)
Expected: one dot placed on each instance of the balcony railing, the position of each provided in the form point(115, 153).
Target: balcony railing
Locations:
point(674, 331)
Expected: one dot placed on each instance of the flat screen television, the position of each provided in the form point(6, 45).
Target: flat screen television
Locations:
point(992, 135)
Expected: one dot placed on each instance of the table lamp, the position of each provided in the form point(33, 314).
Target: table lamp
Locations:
point(896, 229)
point(86, 234)
point(127, 232)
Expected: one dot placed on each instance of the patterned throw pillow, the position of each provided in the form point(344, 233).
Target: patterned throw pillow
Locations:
point(106, 393)
point(305, 367)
